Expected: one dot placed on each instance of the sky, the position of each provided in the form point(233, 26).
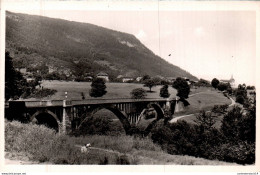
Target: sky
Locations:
point(208, 44)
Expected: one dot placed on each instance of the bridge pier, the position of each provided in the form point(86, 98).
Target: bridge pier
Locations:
point(66, 121)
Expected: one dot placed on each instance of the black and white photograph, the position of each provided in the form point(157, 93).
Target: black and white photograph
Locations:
point(129, 83)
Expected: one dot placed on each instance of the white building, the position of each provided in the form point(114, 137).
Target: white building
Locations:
point(103, 75)
point(126, 79)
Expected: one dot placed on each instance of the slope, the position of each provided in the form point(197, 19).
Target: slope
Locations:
point(77, 48)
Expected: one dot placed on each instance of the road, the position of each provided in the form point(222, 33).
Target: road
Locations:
point(177, 118)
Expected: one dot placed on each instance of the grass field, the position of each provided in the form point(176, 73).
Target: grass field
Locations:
point(43, 145)
point(204, 101)
point(201, 89)
point(114, 90)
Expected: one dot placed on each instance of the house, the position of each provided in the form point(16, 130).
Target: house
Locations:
point(138, 79)
point(126, 79)
point(103, 75)
point(88, 78)
point(170, 79)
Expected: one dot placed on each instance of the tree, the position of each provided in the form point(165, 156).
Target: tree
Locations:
point(223, 86)
point(164, 91)
point(15, 83)
point(149, 83)
point(145, 77)
point(182, 87)
point(138, 93)
point(98, 88)
point(241, 94)
point(205, 119)
point(215, 83)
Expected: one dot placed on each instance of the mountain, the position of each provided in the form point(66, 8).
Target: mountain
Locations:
point(73, 48)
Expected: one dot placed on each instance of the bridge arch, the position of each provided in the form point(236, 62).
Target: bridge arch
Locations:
point(160, 115)
point(158, 109)
point(53, 121)
point(122, 118)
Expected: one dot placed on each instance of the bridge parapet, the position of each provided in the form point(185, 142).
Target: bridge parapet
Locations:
point(43, 103)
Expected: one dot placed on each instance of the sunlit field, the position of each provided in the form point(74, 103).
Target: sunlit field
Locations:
point(204, 101)
point(114, 90)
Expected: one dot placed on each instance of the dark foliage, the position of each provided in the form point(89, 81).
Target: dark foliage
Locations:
point(203, 83)
point(95, 125)
point(223, 86)
point(182, 87)
point(40, 93)
point(215, 83)
point(234, 142)
point(145, 77)
point(241, 94)
point(15, 83)
point(98, 88)
point(138, 93)
point(220, 109)
point(122, 160)
point(149, 83)
point(250, 87)
point(164, 92)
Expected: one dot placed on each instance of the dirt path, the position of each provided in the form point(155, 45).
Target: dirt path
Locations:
point(232, 102)
point(177, 118)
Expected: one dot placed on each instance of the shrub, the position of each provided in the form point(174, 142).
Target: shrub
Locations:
point(138, 93)
point(240, 99)
point(222, 109)
point(122, 160)
point(40, 93)
point(164, 92)
point(182, 87)
point(234, 142)
point(215, 83)
point(95, 125)
point(98, 87)
point(222, 86)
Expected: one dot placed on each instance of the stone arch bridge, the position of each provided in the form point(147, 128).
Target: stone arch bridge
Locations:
point(68, 115)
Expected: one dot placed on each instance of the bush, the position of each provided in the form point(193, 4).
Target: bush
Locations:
point(182, 87)
point(164, 92)
point(240, 99)
point(122, 160)
point(241, 152)
point(138, 93)
point(234, 142)
point(95, 125)
point(223, 86)
point(40, 93)
point(215, 83)
point(220, 109)
point(98, 87)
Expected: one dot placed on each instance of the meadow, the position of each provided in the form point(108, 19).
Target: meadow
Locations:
point(114, 90)
point(204, 100)
point(42, 145)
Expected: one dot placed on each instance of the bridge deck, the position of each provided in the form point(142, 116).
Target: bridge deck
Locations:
point(55, 103)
